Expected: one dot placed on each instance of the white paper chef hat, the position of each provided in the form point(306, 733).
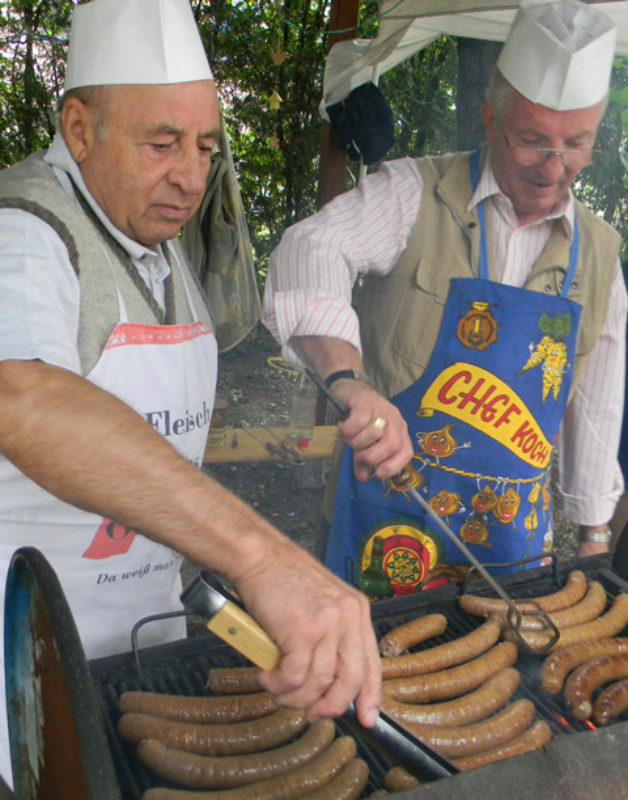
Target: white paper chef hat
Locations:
point(559, 54)
point(134, 42)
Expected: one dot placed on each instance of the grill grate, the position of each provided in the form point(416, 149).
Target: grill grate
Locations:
point(182, 667)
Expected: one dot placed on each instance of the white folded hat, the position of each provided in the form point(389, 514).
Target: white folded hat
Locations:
point(559, 54)
point(135, 42)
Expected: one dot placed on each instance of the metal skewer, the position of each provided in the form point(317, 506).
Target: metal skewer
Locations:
point(290, 452)
point(269, 446)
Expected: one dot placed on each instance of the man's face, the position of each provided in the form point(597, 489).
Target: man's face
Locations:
point(148, 167)
point(535, 190)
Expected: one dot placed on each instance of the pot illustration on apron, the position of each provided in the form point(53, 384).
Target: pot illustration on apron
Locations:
point(483, 419)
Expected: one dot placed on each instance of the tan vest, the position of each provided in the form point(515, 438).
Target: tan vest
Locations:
point(96, 258)
point(401, 313)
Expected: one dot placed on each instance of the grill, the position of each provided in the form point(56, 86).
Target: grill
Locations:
point(579, 762)
point(63, 710)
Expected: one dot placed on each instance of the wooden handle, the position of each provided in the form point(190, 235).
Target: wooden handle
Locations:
point(239, 629)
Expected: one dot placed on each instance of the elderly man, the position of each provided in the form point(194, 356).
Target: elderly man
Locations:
point(106, 344)
point(492, 314)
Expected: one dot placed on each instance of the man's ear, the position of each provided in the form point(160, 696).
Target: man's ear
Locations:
point(77, 128)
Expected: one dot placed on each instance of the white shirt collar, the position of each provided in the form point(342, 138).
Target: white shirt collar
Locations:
point(60, 159)
point(488, 189)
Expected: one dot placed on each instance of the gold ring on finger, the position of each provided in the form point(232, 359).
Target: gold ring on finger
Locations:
point(379, 423)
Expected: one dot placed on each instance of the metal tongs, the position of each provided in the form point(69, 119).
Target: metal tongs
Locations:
point(514, 613)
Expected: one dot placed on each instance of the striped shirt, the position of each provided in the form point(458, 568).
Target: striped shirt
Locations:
point(309, 288)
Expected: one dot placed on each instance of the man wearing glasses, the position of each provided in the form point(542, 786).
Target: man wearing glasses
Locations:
point(491, 326)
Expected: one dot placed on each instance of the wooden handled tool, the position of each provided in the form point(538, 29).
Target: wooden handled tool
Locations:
point(207, 597)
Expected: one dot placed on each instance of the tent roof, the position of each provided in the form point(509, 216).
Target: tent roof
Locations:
point(406, 26)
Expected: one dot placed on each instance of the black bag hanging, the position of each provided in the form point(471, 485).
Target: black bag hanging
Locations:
point(364, 124)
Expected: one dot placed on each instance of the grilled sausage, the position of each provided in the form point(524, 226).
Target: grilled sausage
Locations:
point(572, 592)
point(398, 778)
point(402, 638)
point(449, 683)
point(199, 709)
point(348, 785)
point(476, 705)
point(611, 702)
point(467, 740)
point(443, 655)
point(609, 624)
point(589, 608)
point(209, 772)
point(586, 678)
point(296, 783)
point(216, 740)
point(233, 680)
point(537, 736)
point(559, 663)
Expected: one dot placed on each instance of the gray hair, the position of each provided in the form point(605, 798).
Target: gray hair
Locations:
point(498, 94)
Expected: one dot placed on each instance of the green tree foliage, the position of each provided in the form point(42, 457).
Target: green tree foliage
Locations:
point(421, 92)
point(32, 58)
point(604, 185)
point(268, 59)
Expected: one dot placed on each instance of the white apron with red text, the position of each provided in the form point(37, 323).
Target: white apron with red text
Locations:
point(112, 576)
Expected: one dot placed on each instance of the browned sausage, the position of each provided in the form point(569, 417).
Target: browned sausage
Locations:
point(467, 740)
point(443, 655)
point(559, 663)
point(611, 702)
point(398, 778)
point(222, 739)
point(348, 785)
point(450, 683)
point(296, 783)
point(199, 709)
point(609, 624)
point(210, 772)
point(572, 592)
point(233, 680)
point(476, 705)
point(589, 608)
point(402, 638)
point(537, 736)
point(586, 678)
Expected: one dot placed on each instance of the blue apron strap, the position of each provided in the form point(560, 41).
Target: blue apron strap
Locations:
point(573, 257)
point(474, 166)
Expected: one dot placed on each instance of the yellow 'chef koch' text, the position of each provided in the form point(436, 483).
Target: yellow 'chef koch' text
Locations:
point(477, 397)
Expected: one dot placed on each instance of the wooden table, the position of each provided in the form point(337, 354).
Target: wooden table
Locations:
point(247, 448)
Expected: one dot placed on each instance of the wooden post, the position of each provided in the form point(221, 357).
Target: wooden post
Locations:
point(332, 168)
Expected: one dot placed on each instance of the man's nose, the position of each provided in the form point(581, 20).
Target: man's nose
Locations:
point(190, 172)
point(554, 165)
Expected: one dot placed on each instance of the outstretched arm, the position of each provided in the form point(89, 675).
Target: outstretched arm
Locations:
point(91, 450)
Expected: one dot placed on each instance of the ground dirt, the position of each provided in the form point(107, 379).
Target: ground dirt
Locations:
point(260, 395)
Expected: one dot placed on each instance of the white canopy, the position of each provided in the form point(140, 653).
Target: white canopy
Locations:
point(406, 26)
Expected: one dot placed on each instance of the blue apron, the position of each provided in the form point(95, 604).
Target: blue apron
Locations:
point(483, 419)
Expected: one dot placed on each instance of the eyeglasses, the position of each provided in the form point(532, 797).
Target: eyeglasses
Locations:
point(537, 156)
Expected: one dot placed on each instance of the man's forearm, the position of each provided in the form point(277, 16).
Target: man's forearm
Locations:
point(326, 355)
point(91, 450)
